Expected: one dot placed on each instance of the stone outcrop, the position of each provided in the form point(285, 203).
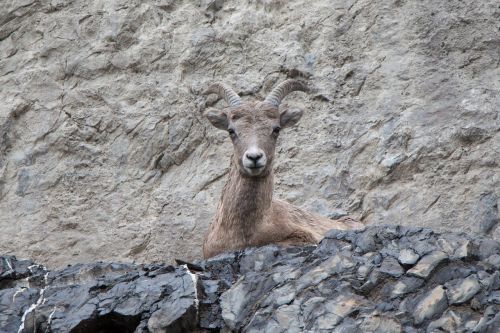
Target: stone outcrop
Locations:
point(104, 153)
point(351, 282)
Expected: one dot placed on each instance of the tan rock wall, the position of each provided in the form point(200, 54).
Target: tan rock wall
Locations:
point(104, 153)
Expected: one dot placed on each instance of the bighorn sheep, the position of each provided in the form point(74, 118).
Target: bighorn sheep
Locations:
point(247, 214)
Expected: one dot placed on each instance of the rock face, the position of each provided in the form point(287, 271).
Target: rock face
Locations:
point(104, 153)
point(337, 286)
point(98, 298)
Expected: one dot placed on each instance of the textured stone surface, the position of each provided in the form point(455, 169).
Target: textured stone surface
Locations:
point(104, 153)
point(338, 287)
point(432, 304)
point(267, 289)
point(408, 257)
point(462, 291)
point(427, 264)
point(101, 298)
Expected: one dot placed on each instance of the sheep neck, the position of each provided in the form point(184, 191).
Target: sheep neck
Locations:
point(245, 201)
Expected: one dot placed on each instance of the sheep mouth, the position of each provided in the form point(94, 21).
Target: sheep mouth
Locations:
point(253, 166)
point(254, 170)
point(256, 167)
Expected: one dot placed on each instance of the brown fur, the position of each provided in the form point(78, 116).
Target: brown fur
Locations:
point(247, 214)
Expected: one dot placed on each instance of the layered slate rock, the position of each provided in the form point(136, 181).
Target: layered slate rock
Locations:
point(102, 297)
point(353, 281)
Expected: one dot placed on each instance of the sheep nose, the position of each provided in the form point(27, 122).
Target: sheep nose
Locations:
point(254, 156)
point(254, 159)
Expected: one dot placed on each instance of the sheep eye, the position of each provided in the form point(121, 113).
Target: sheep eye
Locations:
point(276, 130)
point(231, 132)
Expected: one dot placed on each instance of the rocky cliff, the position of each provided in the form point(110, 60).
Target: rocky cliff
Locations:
point(104, 153)
point(382, 279)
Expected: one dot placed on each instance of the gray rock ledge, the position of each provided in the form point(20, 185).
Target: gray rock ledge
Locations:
point(351, 282)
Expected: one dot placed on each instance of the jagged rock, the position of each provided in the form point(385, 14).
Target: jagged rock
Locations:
point(13, 270)
point(454, 246)
point(391, 267)
point(93, 297)
point(431, 304)
point(490, 320)
point(494, 260)
point(408, 257)
point(462, 291)
point(427, 264)
point(449, 322)
point(21, 283)
point(336, 286)
point(406, 285)
point(14, 302)
point(379, 323)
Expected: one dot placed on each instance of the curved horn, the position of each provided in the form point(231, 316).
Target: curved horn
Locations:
point(283, 89)
point(225, 92)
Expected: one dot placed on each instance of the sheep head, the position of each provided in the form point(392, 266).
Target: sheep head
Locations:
point(254, 127)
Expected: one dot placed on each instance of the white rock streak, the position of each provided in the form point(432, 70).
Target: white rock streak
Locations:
point(33, 306)
point(8, 264)
point(51, 315)
point(194, 277)
point(18, 291)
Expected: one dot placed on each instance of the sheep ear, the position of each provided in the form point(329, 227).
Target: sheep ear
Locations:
point(290, 117)
point(217, 117)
